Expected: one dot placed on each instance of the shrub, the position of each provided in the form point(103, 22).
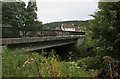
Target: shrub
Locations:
point(90, 62)
point(22, 64)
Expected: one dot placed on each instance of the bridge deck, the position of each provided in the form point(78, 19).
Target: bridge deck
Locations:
point(37, 39)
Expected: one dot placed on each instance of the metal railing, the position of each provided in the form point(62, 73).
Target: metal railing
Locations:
point(40, 33)
point(43, 33)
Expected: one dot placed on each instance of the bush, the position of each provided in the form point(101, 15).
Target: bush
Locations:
point(90, 63)
point(22, 64)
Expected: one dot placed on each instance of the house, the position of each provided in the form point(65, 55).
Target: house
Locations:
point(68, 27)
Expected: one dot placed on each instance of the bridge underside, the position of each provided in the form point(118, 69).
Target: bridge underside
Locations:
point(41, 45)
point(44, 39)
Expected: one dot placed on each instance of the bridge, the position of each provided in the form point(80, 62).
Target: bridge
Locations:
point(44, 39)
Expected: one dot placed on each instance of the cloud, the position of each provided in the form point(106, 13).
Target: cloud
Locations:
point(56, 11)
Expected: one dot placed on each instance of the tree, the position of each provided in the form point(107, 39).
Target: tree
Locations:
point(32, 15)
point(31, 22)
point(18, 18)
point(12, 17)
point(106, 26)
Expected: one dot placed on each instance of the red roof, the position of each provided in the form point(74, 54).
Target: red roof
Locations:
point(68, 26)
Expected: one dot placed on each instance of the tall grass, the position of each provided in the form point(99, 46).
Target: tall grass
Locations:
point(26, 64)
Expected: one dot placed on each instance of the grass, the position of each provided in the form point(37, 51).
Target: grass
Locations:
point(22, 64)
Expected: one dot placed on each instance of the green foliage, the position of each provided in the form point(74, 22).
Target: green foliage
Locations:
point(15, 64)
point(11, 15)
point(53, 25)
point(88, 45)
point(106, 25)
point(90, 63)
point(16, 18)
point(31, 17)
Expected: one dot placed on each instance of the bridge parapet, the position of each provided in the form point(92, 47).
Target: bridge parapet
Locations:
point(44, 35)
point(45, 39)
point(36, 39)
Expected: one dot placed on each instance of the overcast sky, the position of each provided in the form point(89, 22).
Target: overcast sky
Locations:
point(63, 10)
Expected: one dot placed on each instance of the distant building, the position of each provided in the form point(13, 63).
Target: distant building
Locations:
point(68, 27)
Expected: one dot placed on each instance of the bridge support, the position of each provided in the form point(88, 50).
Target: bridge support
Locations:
point(76, 46)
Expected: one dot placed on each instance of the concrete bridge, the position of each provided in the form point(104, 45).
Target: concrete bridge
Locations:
point(44, 39)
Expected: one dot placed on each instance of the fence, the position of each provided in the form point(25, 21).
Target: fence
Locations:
point(38, 33)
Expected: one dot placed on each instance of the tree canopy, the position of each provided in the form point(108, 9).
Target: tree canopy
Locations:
point(106, 26)
point(16, 17)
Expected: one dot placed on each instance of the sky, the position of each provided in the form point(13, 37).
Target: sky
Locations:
point(64, 10)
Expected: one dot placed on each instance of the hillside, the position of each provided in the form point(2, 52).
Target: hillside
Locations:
point(53, 25)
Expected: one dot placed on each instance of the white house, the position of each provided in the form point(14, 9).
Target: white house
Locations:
point(68, 27)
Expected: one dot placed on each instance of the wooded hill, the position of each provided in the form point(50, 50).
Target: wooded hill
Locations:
point(77, 23)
